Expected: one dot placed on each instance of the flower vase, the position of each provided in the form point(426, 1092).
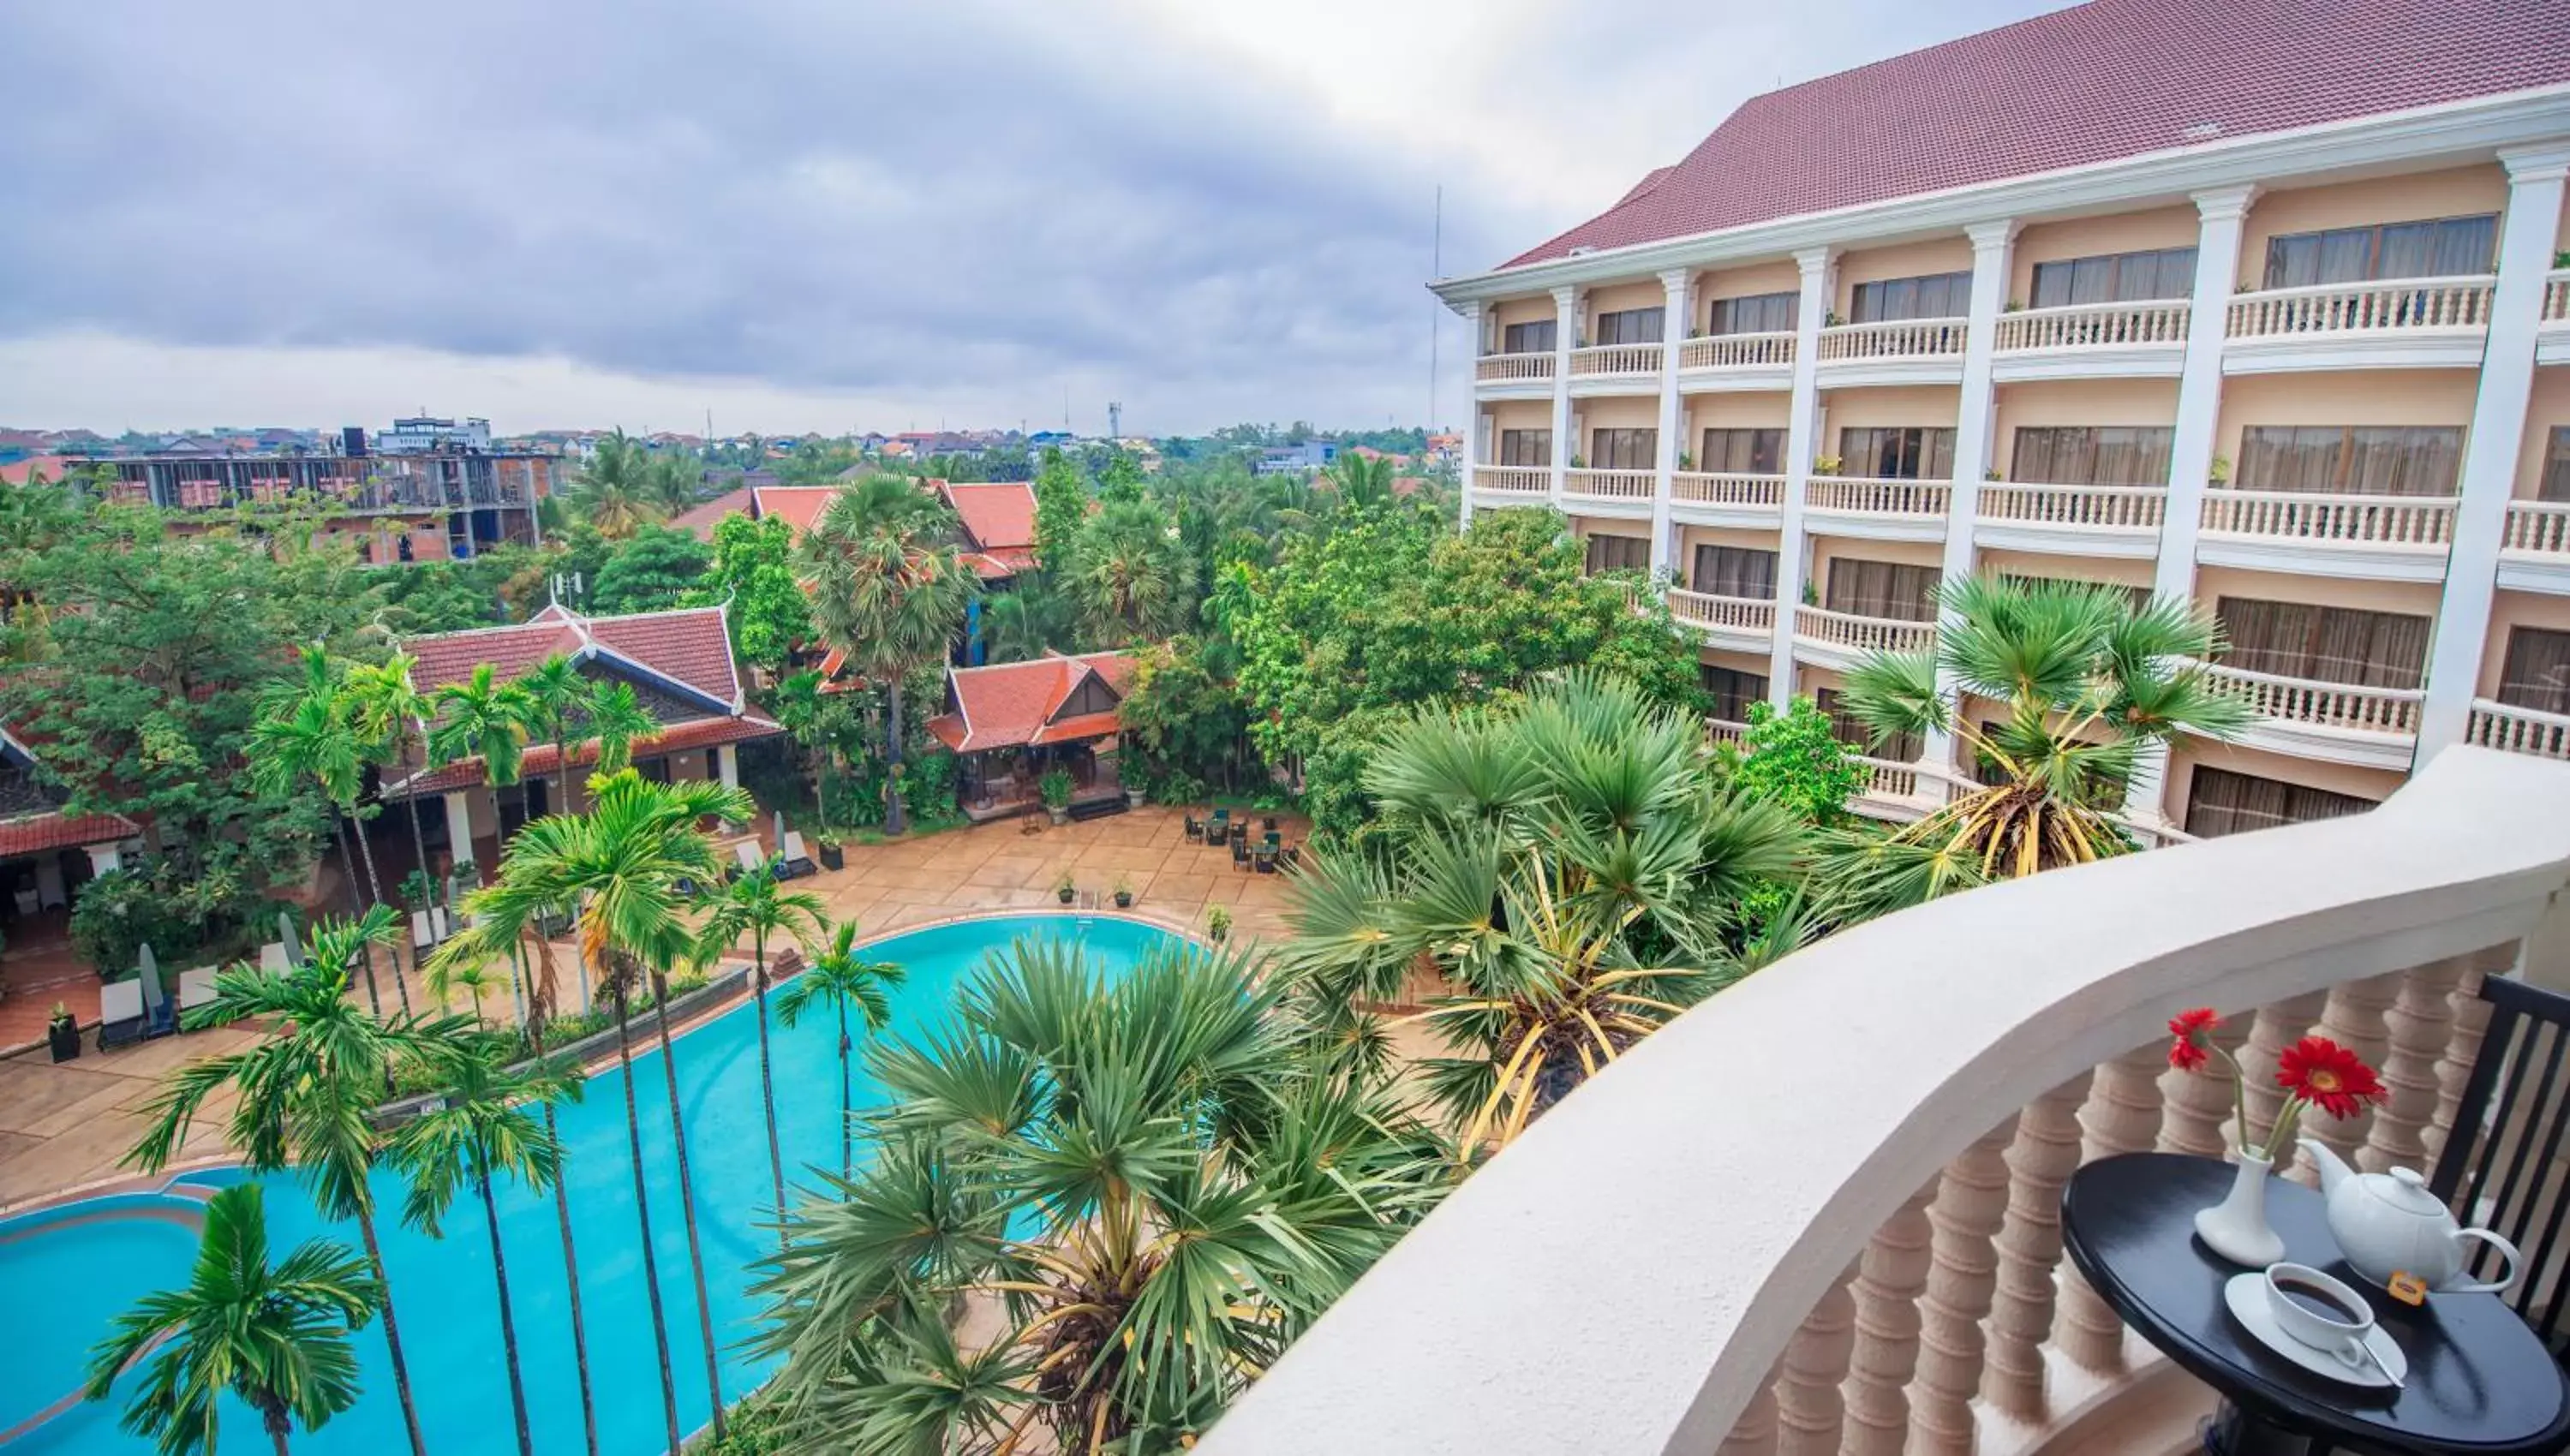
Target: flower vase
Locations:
point(2237, 1226)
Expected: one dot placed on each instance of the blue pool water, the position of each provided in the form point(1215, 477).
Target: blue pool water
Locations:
point(82, 1263)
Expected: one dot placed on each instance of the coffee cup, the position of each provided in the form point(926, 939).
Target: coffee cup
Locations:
point(2319, 1311)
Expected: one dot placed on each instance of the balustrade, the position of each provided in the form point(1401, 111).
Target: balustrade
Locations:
point(1727, 614)
point(1908, 338)
point(2078, 508)
point(1611, 484)
point(2537, 527)
point(2423, 521)
point(1615, 359)
point(1863, 633)
point(2386, 306)
point(2556, 296)
point(1879, 496)
point(2088, 325)
point(1737, 351)
point(2518, 730)
point(2340, 705)
point(1750, 491)
point(1513, 368)
point(1521, 480)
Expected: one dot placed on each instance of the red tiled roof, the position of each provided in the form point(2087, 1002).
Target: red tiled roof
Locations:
point(702, 519)
point(539, 761)
point(2095, 82)
point(53, 465)
point(797, 506)
point(512, 652)
point(995, 516)
point(690, 645)
point(1011, 704)
point(1000, 565)
point(36, 832)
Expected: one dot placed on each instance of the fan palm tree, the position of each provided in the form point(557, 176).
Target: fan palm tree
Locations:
point(302, 1094)
point(560, 702)
point(622, 861)
point(391, 714)
point(309, 732)
point(840, 978)
point(1148, 1181)
point(274, 1335)
point(614, 490)
point(1570, 866)
point(479, 1127)
point(617, 720)
point(888, 595)
point(1131, 574)
point(2085, 681)
point(753, 905)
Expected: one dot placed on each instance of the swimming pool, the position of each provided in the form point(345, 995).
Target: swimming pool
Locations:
point(80, 1264)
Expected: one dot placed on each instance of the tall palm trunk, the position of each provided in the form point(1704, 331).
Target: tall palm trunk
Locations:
point(687, 1197)
point(507, 1320)
point(392, 1326)
point(375, 888)
point(767, 1082)
point(642, 1212)
point(894, 819)
point(357, 905)
point(561, 770)
point(847, 1098)
point(273, 1419)
point(419, 852)
point(536, 1024)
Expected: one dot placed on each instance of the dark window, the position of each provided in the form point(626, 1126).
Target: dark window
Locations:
point(2555, 484)
point(655, 770)
point(1886, 590)
point(1722, 571)
point(2537, 671)
point(2086, 455)
point(1526, 446)
point(1527, 338)
point(1618, 553)
point(1091, 696)
point(1625, 449)
point(2219, 802)
point(1911, 453)
point(2355, 460)
point(1732, 691)
point(1744, 452)
point(1936, 295)
point(1631, 326)
point(2324, 643)
point(2119, 277)
point(1899, 748)
point(2443, 247)
point(1759, 313)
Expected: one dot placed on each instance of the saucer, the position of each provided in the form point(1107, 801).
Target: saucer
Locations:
point(2247, 1296)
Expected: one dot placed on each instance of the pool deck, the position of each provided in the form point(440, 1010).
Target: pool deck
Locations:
point(66, 1127)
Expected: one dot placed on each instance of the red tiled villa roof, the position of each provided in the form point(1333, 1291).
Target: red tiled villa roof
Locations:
point(1013, 704)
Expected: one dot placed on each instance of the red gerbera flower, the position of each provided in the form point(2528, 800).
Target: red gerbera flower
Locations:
point(2327, 1076)
point(2192, 1029)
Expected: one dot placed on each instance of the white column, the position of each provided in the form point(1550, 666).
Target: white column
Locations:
point(459, 823)
point(1802, 440)
point(2221, 218)
point(2525, 247)
point(1673, 328)
point(1473, 326)
point(1565, 330)
point(1992, 248)
point(103, 858)
point(727, 765)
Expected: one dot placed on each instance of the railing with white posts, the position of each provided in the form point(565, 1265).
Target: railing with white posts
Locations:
point(1889, 778)
point(2518, 730)
point(2345, 706)
point(2390, 305)
point(1879, 496)
point(2556, 296)
point(1905, 338)
point(2076, 508)
point(1516, 479)
point(1832, 1191)
point(1611, 484)
point(1741, 492)
point(2537, 527)
point(1863, 633)
point(1513, 368)
point(1615, 359)
point(1749, 614)
point(1737, 351)
point(2085, 325)
point(1723, 730)
point(2412, 521)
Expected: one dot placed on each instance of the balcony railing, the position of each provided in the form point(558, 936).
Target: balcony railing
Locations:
point(1875, 495)
point(392, 497)
point(2556, 296)
point(2537, 527)
point(1513, 368)
point(1737, 351)
point(2086, 325)
point(2075, 508)
point(2346, 707)
point(1741, 492)
point(1612, 485)
point(1754, 615)
point(1516, 479)
point(1908, 338)
point(1886, 778)
point(1889, 1273)
point(1723, 730)
point(1615, 359)
point(2518, 730)
point(1863, 633)
point(2363, 309)
point(2413, 522)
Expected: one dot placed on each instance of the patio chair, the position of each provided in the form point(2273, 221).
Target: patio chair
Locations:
point(796, 861)
point(1240, 832)
point(119, 1013)
point(423, 930)
point(1240, 854)
point(1264, 860)
point(2495, 1171)
point(1195, 830)
point(1291, 856)
point(195, 989)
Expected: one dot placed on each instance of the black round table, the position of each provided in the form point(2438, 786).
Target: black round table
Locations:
point(2478, 1381)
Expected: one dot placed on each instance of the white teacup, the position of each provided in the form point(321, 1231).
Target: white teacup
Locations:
point(2319, 1311)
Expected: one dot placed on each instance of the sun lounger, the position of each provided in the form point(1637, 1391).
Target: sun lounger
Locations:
point(746, 855)
point(119, 1013)
point(796, 861)
point(195, 989)
point(423, 930)
point(273, 959)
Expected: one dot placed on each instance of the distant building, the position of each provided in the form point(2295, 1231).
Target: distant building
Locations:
point(421, 433)
point(1299, 458)
point(430, 506)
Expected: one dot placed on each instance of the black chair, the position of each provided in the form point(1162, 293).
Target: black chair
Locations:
point(2497, 1170)
point(1195, 830)
point(1240, 854)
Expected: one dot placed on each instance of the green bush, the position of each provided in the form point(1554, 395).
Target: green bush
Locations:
point(117, 913)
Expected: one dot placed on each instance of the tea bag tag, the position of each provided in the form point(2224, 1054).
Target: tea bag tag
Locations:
point(2408, 1288)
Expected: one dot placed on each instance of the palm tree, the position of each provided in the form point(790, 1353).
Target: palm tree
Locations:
point(671, 480)
point(753, 905)
point(1131, 574)
point(614, 490)
point(617, 719)
point(2085, 680)
point(621, 863)
point(560, 703)
point(1151, 1181)
point(839, 977)
point(274, 1335)
point(307, 732)
point(1023, 622)
point(481, 717)
point(392, 713)
point(303, 1093)
point(1361, 483)
point(888, 595)
point(480, 1125)
point(1571, 868)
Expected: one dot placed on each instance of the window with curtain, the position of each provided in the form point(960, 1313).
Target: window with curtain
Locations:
point(1526, 446)
point(1732, 691)
point(1618, 553)
point(1899, 748)
point(1930, 295)
point(1528, 338)
point(1903, 453)
point(2219, 802)
point(1743, 452)
point(2091, 455)
point(2118, 277)
point(1631, 326)
point(2536, 673)
point(2441, 248)
point(1886, 590)
point(1722, 571)
point(2555, 482)
point(1758, 313)
point(2353, 459)
point(1625, 449)
point(2324, 643)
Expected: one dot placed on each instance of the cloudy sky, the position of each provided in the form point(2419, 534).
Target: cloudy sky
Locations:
point(822, 213)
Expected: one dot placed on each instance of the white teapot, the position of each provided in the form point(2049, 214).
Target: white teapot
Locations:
point(2389, 1223)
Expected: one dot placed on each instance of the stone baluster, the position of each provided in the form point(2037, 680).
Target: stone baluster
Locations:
point(2462, 1048)
point(2277, 1027)
point(1890, 1279)
point(2122, 1115)
point(2355, 1019)
point(2422, 1026)
point(2040, 1161)
point(2195, 1107)
point(1810, 1408)
point(1754, 1434)
point(1970, 1208)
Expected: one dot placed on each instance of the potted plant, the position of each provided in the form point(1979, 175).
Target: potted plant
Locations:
point(1055, 789)
point(833, 856)
point(463, 878)
point(2220, 474)
point(2314, 1072)
point(1063, 888)
point(1124, 891)
point(61, 1034)
point(1826, 465)
point(1578, 460)
point(1686, 459)
point(1218, 924)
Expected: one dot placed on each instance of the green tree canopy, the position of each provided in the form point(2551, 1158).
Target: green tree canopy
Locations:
point(754, 567)
point(1062, 503)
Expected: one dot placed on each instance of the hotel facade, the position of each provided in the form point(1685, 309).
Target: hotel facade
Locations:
point(2186, 299)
